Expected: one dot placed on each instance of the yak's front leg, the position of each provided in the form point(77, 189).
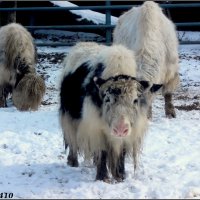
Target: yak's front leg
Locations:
point(72, 158)
point(119, 170)
point(169, 107)
point(2, 97)
point(69, 136)
point(149, 112)
point(102, 171)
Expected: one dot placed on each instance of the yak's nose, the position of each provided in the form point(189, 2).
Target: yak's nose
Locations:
point(121, 129)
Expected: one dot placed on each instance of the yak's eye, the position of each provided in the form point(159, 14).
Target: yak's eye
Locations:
point(107, 99)
point(135, 101)
point(103, 95)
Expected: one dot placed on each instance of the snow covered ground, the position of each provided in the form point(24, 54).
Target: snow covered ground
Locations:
point(33, 161)
point(67, 37)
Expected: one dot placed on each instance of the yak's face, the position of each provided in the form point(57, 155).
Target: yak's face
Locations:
point(28, 93)
point(121, 97)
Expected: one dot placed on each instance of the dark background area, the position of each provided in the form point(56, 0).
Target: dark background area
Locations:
point(67, 18)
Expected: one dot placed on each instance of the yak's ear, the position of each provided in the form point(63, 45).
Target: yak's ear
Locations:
point(144, 84)
point(155, 87)
point(98, 81)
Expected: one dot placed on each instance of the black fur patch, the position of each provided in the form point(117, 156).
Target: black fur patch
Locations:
point(72, 92)
point(18, 79)
point(92, 89)
point(21, 65)
point(7, 90)
point(155, 87)
point(102, 171)
point(22, 69)
point(144, 84)
point(114, 91)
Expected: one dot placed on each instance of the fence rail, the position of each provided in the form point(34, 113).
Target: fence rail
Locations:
point(107, 26)
point(98, 26)
point(106, 7)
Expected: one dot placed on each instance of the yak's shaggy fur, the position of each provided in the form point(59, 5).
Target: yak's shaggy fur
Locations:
point(147, 31)
point(17, 68)
point(98, 92)
point(29, 92)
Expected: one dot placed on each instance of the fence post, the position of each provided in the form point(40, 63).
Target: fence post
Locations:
point(8, 17)
point(12, 16)
point(108, 22)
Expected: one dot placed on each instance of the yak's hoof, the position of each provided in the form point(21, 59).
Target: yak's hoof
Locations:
point(149, 116)
point(120, 178)
point(72, 162)
point(2, 104)
point(170, 111)
point(105, 179)
point(171, 115)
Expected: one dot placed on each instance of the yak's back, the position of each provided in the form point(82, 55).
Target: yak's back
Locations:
point(116, 59)
point(145, 26)
point(151, 35)
point(17, 43)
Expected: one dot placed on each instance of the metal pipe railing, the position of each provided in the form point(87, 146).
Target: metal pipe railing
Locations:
point(99, 26)
point(108, 23)
point(55, 44)
point(181, 24)
point(108, 7)
point(71, 27)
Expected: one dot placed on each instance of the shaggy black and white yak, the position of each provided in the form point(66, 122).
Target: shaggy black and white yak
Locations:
point(17, 68)
point(152, 37)
point(103, 110)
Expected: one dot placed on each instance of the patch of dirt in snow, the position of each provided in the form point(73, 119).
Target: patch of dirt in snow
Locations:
point(67, 37)
point(194, 106)
point(50, 67)
point(188, 57)
point(52, 58)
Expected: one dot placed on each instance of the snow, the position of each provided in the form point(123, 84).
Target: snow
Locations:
point(33, 160)
point(96, 17)
point(189, 35)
